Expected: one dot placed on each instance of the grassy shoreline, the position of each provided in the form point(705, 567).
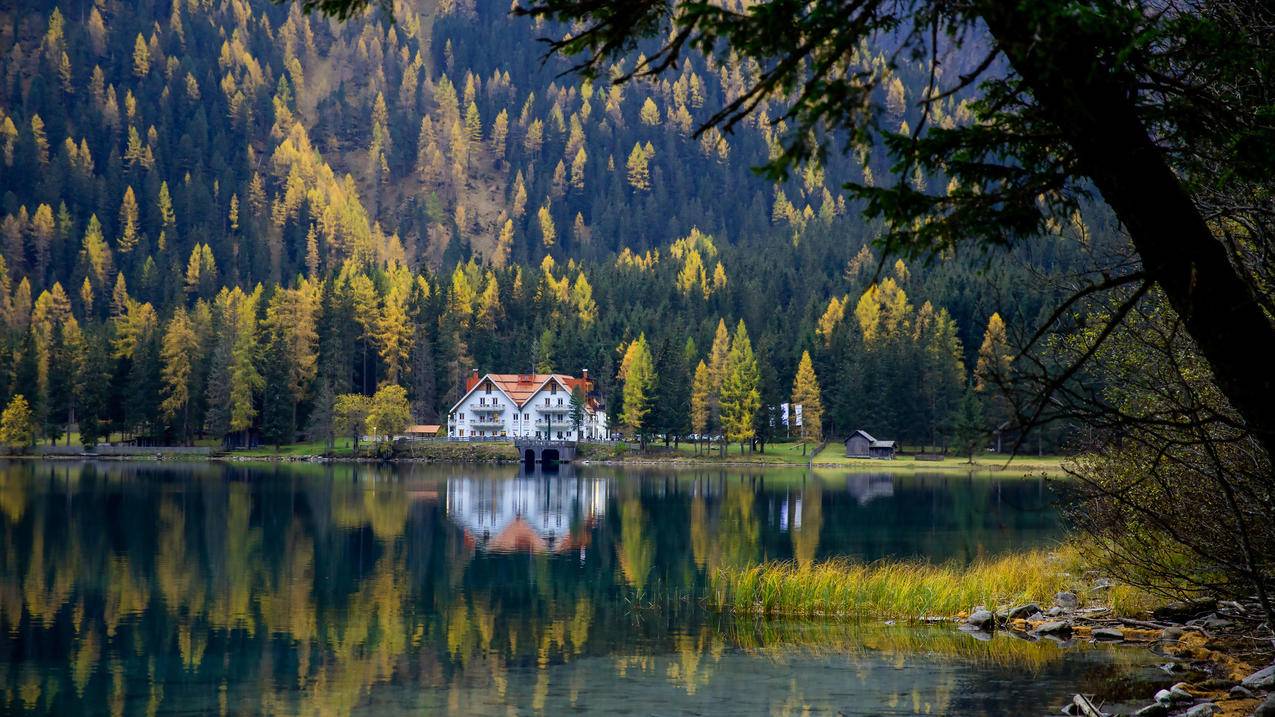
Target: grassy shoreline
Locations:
point(912, 590)
point(777, 455)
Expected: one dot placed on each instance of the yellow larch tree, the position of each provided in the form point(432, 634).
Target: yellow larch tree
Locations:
point(805, 393)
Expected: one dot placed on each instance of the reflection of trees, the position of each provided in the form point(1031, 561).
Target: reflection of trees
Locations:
point(636, 550)
point(805, 537)
point(313, 599)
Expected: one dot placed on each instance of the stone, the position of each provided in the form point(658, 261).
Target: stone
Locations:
point(1108, 633)
point(982, 619)
point(1261, 680)
point(1102, 584)
point(1057, 627)
point(1171, 634)
point(1164, 697)
point(1213, 622)
point(1266, 709)
point(1022, 612)
point(1205, 709)
point(1054, 611)
point(1155, 710)
point(1181, 692)
point(1067, 600)
point(1240, 692)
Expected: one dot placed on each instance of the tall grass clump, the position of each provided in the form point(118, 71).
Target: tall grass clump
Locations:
point(895, 590)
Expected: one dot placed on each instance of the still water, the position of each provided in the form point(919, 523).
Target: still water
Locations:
point(338, 590)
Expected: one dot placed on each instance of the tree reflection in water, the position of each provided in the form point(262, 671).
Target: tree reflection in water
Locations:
point(332, 590)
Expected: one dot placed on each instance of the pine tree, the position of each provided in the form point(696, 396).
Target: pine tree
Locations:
point(548, 233)
point(278, 419)
point(178, 352)
point(577, 409)
point(639, 173)
point(700, 388)
point(141, 57)
point(968, 427)
point(805, 393)
point(717, 355)
point(94, 381)
point(639, 386)
point(741, 396)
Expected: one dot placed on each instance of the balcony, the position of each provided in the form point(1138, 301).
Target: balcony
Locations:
point(487, 422)
point(494, 408)
point(556, 410)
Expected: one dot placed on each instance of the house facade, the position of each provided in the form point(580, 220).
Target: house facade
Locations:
point(512, 405)
point(861, 444)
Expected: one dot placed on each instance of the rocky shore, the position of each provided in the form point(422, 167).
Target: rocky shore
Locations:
point(1218, 649)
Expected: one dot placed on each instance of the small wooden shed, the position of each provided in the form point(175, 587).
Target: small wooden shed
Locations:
point(422, 431)
point(861, 444)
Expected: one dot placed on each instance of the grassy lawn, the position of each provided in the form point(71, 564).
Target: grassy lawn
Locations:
point(342, 447)
point(786, 453)
point(834, 455)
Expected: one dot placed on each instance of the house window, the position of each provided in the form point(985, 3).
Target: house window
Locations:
point(487, 389)
point(460, 432)
point(553, 387)
point(559, 401)
point(482, 402)
point(526, 416)
point(460, 416)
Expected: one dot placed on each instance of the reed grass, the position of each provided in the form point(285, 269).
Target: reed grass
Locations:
point(903, 590)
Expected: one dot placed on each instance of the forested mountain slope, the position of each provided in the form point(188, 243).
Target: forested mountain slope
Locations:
point(287, 199)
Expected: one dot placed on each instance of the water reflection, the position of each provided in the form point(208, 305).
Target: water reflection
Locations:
point(335, 590)
point(533, 513)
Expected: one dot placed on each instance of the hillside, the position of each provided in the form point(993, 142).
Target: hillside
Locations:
point(424, 196)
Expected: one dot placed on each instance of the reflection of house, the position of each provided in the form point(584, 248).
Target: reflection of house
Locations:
point(867, 488)
point(861, 444)
point(525, 514)
point(525, 405)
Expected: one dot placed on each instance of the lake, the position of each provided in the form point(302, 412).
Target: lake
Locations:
point(164, 588)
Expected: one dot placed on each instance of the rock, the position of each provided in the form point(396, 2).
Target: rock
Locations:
point(982, 619)
point(1240, 692)
point(1102, 584)
point(1156, 710)
point(1181, 692)
point(1213, 622)
point(1057, 627)
point(1067, 600)
point(1108, 633)
point(1202, 710)
point(1261, 680)
point(1183, 611)
point(1164, 697)
point(1171, 634)
point(1022, 612)
point(1266, 709)
point(1054, 611)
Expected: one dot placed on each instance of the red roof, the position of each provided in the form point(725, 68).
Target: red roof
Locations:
point(520, 387)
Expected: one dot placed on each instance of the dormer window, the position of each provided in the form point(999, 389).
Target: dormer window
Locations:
point(553, 387)
point(487, 388)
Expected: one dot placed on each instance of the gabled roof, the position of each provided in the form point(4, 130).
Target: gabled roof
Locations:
point(872, 442)
point(521, 387)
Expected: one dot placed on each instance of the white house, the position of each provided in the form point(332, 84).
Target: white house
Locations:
point(535, 405)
